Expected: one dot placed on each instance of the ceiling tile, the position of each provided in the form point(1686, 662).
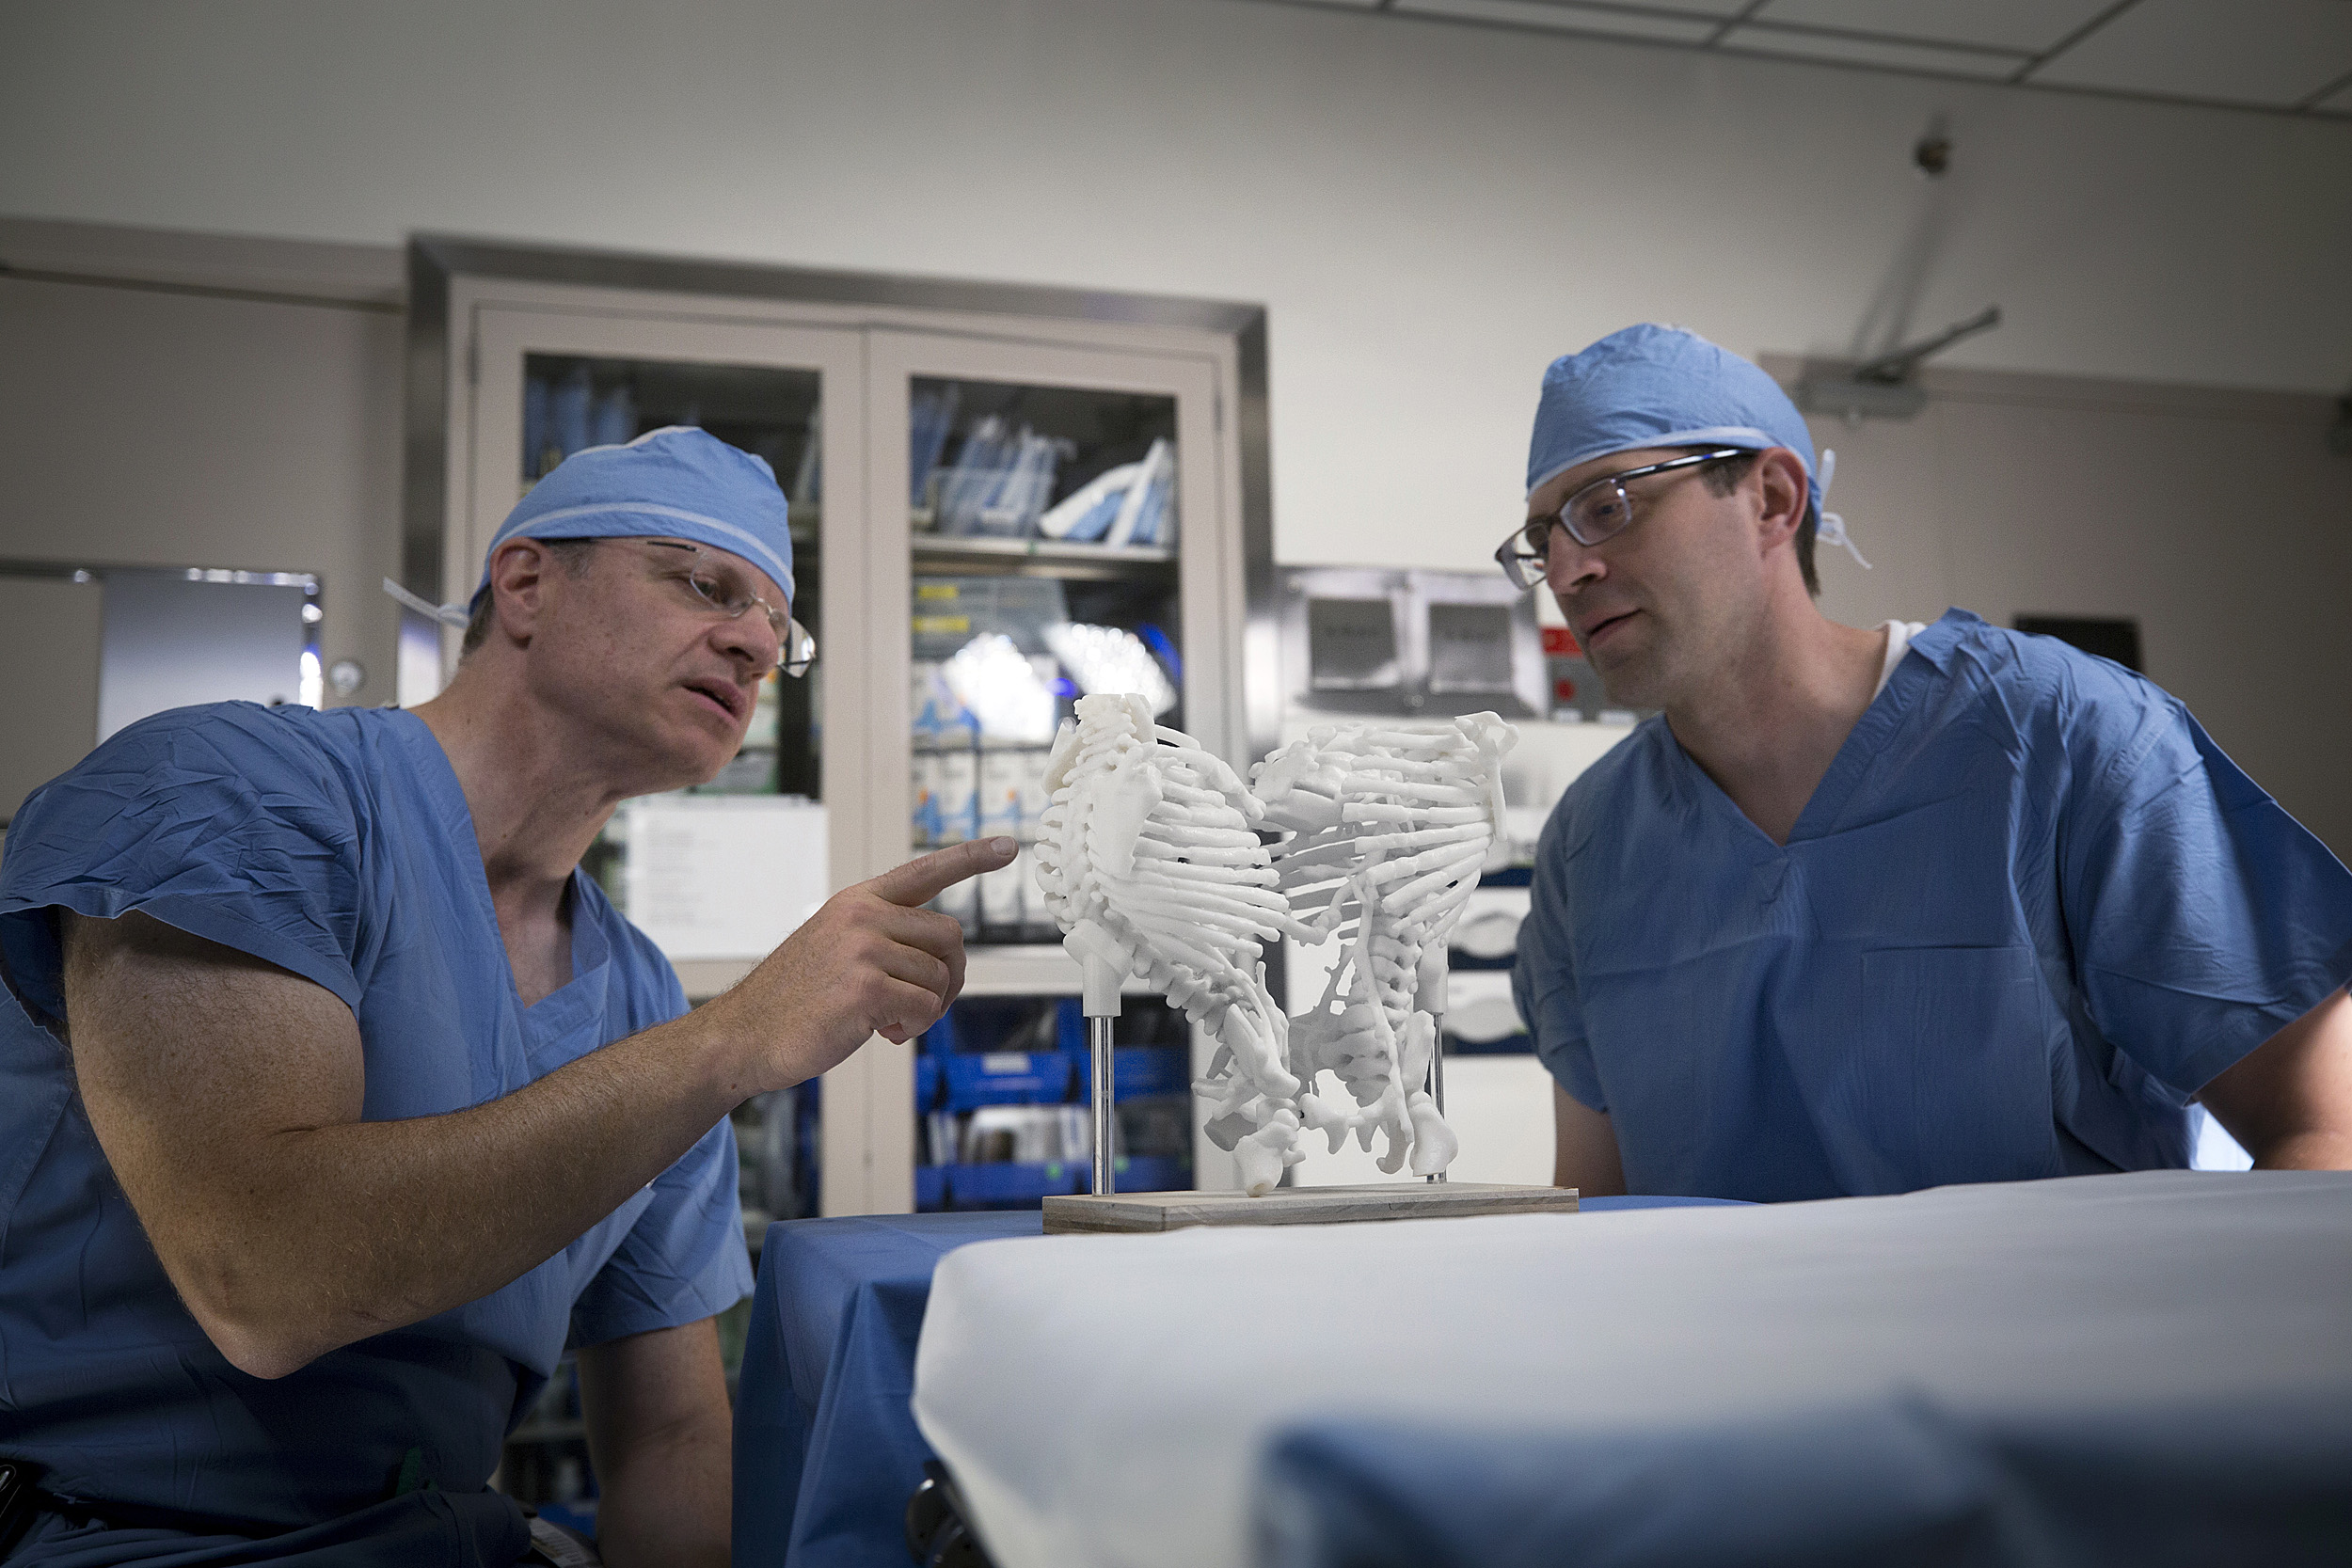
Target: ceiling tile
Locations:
point(2273, 52)
point(1852, 51)
point(2030, 25)
point(1660, 26)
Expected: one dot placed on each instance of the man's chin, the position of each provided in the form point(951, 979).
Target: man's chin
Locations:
point(1625, 682)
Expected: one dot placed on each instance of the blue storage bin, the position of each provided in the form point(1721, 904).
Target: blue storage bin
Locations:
point(1150, 1173)
point(1013, 1184)
point(940, 1039)
point(1006, 1077)
point(1521, 1044)
point(929, 1083)
point(1140, 1069)
point(930, 1189)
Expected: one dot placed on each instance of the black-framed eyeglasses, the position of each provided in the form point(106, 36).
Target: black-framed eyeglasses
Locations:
point(1596, 512)
point(725, 594)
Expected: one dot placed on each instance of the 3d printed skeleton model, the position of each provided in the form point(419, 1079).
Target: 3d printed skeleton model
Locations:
point(1152, 861)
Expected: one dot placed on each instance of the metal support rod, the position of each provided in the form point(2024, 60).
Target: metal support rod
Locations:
point(1436, 1075)
point(1106, 1117)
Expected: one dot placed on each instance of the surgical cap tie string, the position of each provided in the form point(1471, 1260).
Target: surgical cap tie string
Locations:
point(1832, 528)
point(447, 615)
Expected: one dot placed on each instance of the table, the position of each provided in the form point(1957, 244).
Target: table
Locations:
point(826, 1452)
point(2144, 1367)
point(826, 1449)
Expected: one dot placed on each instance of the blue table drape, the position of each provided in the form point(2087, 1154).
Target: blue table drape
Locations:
point(1898, 1479)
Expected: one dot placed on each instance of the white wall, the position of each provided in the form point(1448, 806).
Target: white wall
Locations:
point(1430, 211)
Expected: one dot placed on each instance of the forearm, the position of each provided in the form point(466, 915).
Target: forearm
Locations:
point(1585, 1154)
point(672, 1503)
point(2289, 1101)
point(396, 1221)
point(228, 1096)
point(661, 1437)
point(2315, 1151)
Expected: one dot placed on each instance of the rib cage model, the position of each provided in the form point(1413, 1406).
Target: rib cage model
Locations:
point(1150, 862)
point(1147, 859)
point(1388, 830)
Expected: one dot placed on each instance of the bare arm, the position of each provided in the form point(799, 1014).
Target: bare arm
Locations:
point(2289, 1101)
point(1585, 1154)
point(662, 1440)
point(226, 1094)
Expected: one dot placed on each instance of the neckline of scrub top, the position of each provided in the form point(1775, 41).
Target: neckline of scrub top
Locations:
point(1855, 756)
point(590, 952)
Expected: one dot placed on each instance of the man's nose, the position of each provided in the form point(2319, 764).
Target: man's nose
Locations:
point(750, 638)
point(1568, 565)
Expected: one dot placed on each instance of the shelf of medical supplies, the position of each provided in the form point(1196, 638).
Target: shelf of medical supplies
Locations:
point(1050, 557)
point(1025, 969)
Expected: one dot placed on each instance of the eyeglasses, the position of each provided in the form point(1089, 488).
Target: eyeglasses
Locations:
point(1596, 512)
point(725, 594)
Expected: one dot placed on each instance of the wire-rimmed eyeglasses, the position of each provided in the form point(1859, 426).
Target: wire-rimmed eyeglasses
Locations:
point(1596, 512)
point(727, 594)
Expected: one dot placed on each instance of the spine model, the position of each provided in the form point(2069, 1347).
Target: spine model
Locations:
point(1152, 860)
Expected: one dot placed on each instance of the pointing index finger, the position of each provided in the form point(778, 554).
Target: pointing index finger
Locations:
point(922, 879)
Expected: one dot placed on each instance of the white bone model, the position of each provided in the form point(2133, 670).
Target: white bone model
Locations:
point(1150, 862)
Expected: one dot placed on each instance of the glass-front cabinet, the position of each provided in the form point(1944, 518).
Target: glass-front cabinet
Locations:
point(1060, 540)
point(1002, 499)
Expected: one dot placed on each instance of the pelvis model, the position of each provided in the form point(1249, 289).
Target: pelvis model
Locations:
point(1154, 859)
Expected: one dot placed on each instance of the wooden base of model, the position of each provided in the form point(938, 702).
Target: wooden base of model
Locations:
point(1378, 1201)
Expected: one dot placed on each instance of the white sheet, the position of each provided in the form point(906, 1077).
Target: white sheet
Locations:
point(1103, 1399)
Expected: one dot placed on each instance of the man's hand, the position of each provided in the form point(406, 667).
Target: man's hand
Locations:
point(872, 961)
point(2289, 1101)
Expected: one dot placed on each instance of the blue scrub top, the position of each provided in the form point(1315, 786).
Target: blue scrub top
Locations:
point(2030, 910)
point(337, 845)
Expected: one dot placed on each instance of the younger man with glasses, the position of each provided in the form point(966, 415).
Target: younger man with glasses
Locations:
point(1864, 912)
point(336, 1102)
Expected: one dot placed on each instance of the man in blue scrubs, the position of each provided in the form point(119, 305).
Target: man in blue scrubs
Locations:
point(336, 1102)
point(1864, 912)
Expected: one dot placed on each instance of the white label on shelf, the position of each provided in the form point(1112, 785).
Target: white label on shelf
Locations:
point(722, 877)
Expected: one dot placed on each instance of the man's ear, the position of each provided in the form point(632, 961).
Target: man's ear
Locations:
point(519, 587)
point(1781, 497)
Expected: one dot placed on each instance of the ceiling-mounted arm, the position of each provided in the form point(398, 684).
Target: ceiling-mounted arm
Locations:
point(1894, 368)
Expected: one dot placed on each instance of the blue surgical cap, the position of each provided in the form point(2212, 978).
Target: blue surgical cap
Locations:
point(676, 482)
point(1661, 387)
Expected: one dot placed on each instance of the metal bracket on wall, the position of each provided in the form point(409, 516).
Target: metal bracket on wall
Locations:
point(1887, 386)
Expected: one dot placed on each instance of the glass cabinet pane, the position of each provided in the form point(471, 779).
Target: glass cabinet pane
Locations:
point(571, 401)
point(1045, 525)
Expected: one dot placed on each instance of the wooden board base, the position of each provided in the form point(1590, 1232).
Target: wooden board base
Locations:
point(1379, 1200)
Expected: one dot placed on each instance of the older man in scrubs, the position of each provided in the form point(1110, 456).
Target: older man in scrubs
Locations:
point(1864, 912)
point(336, 1102)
